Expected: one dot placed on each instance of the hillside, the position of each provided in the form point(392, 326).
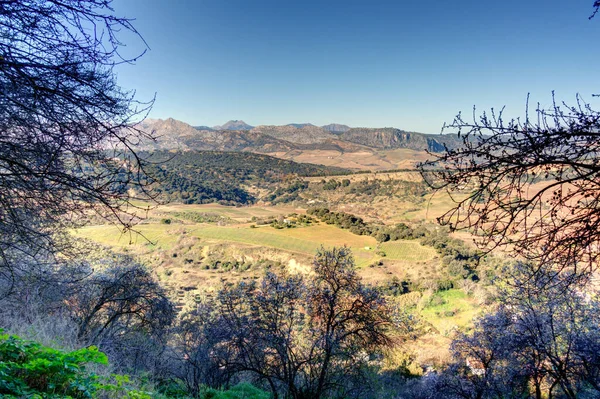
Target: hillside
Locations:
point(390, 138)
point(299, 134)
point(233, 178)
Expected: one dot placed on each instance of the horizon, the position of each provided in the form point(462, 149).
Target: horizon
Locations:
point(406, 64)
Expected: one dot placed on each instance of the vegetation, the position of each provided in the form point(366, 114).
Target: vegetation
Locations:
point(552, 222)
point(541, 342)
point(201, 177)
point(64, 120)
point(267, 319)
point(458, 259)
point(306, 337)
point(28, 369)
point(533, 193)
point(358, 226)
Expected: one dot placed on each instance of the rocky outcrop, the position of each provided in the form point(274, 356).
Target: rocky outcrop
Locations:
point(336, 128)
point(391, 138)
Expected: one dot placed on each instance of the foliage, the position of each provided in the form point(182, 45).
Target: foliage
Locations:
point(358, 226)
point(113, 303)
point(288, 193)
point(198, 177)
point(29, 369)
point(459, 260)
point(240, 391)
point(542, 341)
point(341, 219)
point(201, 217)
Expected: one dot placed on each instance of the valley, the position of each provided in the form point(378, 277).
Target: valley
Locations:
point(410, 213)
point(196, 248)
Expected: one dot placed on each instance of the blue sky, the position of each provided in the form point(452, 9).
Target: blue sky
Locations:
point(408, 64)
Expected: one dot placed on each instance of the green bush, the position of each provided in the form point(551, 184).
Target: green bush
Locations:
point(31, 370)
point(28, 369)
point(240, 391)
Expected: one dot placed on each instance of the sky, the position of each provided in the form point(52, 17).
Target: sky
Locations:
point(410, 64)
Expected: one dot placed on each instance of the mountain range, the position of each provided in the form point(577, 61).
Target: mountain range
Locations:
point(331, 145)
point(239, 136)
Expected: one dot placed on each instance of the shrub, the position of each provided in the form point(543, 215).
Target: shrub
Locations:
point(28, 369)
point(240, 391)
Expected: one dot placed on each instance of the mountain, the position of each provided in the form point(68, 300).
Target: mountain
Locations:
point(336, 128)
point(307, 134)
point(391, 138)
point(204, 128)
point(356, 147)
point(300, 125)
point(172, 134)
point(234, 125)
point(169, 133)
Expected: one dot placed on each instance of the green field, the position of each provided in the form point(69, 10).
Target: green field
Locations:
point(304, 240)
point(449, 310)
point(180, 250)
point(406, 250)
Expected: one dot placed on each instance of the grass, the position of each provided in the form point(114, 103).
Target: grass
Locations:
point(304, 240)
point(433, 206)
point(410, 251)
point(449, 310)
point(156, 235)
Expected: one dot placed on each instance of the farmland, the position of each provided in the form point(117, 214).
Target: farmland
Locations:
point(196, 248)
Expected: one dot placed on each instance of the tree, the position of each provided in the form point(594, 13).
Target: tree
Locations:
point(121, 298)
point(196, 350)
point(125, 312)
point(66, 128)
point(541, 342)
point(306, 337)
point(533, 185)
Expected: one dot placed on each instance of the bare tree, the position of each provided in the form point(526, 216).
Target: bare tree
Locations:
point(121, 298)
point(305, 337)
point(530, 185)
point(533, 186)
point(123, 310)
point(196, 351)
point(66, 128)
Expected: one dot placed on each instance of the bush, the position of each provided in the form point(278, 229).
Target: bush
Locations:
point(240, 391)
point(28, 369)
